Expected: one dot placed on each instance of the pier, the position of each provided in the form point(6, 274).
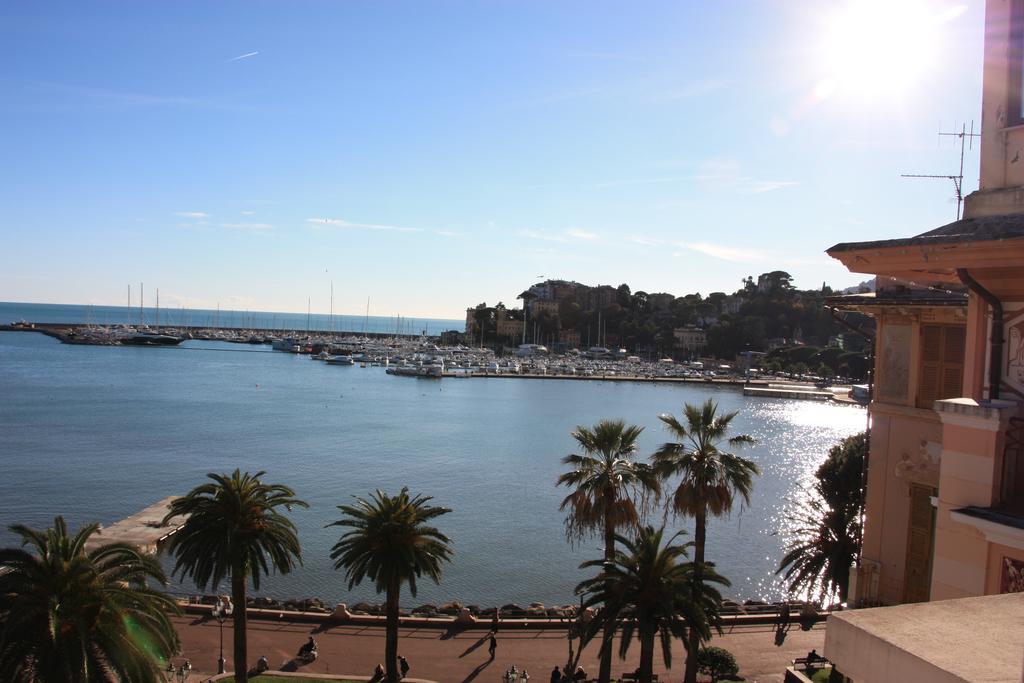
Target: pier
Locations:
point(145, 529)
point(806, 394)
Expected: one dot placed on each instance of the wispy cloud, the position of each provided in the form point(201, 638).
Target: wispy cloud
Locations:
point(759, 186)
point(724, 175)
point(104, 96)
point(642, 181)
point(572, 234)
point(198, 215)
point(605, 56)
point(725, 253)
point(692, 89)
point(578, 234)
point(645, 241)
point(247, 213)
point(339, 223)
point(545, 236)
point(247, 226)
point(245, 56)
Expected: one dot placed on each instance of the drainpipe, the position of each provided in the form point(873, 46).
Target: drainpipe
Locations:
point(995, 366)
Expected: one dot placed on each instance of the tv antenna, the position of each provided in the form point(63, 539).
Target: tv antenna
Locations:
point(966, 142)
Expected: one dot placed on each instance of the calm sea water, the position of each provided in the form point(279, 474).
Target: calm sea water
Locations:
point(97, 433)
point(196, 317)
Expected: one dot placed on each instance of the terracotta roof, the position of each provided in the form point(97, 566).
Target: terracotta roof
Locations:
point(980, 229)
point(908, 298)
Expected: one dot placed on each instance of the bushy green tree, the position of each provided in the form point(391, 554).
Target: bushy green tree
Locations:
point(717, 662)
point(826, 540)
point(71, 614)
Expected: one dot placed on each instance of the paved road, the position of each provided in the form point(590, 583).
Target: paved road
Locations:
point(462, 657)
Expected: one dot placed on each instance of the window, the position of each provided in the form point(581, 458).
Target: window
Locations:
point(942, 363)
point(1015, 87)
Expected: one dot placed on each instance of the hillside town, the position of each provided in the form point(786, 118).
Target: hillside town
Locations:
point(767, 322)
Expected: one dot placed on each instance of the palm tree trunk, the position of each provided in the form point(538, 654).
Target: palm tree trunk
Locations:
point(646, 655)
point(391, 642)
point(693, 646)
point(241, 653)
point(604, 674)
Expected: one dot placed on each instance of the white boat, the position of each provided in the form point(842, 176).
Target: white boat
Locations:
point(340, 360)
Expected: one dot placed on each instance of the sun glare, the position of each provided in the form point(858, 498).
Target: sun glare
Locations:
point(875, 49)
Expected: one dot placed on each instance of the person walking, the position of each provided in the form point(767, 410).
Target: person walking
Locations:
point(493, 646)
point(556, 675)
point(403, 665)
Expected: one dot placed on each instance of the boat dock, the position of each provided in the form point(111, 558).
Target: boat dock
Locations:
point(789, 392)
point(144, 530)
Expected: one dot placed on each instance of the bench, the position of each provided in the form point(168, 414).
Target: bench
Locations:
point(633, 677)
point(806, 663)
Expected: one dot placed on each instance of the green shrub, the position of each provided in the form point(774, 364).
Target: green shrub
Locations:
point(717, 662)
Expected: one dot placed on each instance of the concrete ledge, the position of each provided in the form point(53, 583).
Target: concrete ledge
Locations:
point(320, 677)
point(450, 622)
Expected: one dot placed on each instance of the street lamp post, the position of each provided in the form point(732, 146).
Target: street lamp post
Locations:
point(221, 611)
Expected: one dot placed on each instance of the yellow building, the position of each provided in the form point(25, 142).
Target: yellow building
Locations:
point(944, 511)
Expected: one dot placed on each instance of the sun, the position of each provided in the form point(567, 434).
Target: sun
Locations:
point(875, 49)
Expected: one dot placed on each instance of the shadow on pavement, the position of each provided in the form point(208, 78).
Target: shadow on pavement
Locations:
point(478, 670)
point(483, 639)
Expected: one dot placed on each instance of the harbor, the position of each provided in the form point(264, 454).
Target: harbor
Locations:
point(422, 357)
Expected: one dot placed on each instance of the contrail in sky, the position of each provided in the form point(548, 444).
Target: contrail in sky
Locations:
point(247, 54)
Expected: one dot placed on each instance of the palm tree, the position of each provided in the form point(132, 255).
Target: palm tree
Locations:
point(390, 542)
point(69, 613)
point(710, 480)
point(608, 492)
point(234, 528)
point(654, 589)
point(826, 539)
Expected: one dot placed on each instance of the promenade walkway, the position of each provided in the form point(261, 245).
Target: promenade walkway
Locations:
point(461, 657)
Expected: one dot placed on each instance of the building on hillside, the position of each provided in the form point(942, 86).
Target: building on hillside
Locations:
point(945, 481)
point(690, 339)
point(507, 324)
point(598, 297)
point(538, 306)
point(570, 338)
point(731, 305)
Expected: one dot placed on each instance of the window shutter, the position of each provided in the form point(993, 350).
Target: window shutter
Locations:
point(942, 363)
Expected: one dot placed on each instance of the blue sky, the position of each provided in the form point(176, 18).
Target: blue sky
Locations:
point(433, 155)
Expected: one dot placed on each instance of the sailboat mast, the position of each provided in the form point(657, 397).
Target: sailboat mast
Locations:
point(366, 318)
point(158, 308)
point(142, 299)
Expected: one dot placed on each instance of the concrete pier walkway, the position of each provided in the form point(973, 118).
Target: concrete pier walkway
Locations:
point(144, 529)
